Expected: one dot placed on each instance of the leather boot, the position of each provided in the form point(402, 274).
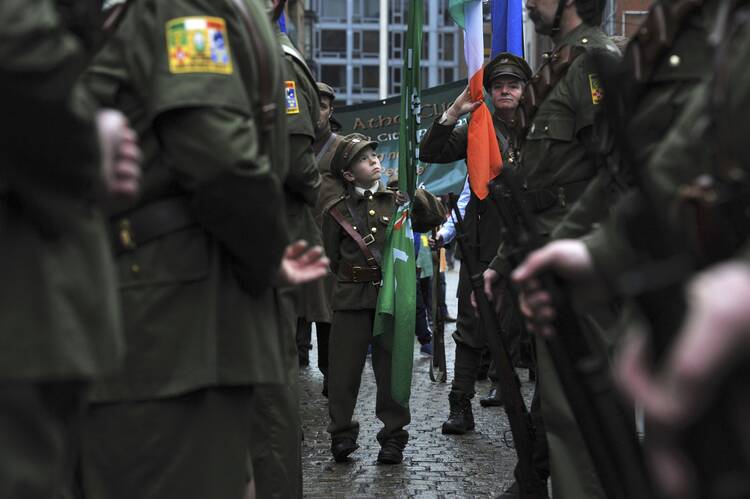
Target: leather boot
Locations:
point(461, 419)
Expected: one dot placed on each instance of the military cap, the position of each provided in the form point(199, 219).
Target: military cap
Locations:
point(506, 64)
point(327, 90)
point(347, 152)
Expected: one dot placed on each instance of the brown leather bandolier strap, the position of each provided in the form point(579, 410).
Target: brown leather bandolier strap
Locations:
point(356, 273)
point(656, 35)
point(362, 243)
point(542, 83)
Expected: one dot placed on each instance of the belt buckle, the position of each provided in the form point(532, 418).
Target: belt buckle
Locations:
point(125, 233)
point(368, 239)
point(355, 273)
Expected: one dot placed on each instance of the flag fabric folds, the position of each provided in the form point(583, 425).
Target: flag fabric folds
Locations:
point(483, 158)
point(395, 314)
point(507, 27)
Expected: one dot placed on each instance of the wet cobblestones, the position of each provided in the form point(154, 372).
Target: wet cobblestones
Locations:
point(478, 464)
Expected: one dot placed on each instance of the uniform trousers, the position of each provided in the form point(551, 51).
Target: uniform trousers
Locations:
point(40, 426)
point(190, 446)
point(276, 448)
point(351, 333)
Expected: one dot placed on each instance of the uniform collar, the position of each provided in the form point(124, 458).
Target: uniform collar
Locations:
point(376, 187)
point(575, 34)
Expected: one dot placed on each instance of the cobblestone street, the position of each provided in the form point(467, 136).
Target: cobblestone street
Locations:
point(478, 464)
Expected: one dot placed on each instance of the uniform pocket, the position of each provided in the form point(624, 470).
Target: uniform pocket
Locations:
point(552, 128)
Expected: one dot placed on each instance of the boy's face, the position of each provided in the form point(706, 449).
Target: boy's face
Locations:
point(365, 169)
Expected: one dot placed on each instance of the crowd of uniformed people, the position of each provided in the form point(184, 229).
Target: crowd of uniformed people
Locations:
point(178, 211)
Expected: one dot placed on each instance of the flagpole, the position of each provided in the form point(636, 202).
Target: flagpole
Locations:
point(383, 90)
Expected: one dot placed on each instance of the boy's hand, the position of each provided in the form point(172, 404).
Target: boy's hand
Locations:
point(401, 198)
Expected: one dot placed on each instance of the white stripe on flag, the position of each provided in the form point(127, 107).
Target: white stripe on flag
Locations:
point(473, 36)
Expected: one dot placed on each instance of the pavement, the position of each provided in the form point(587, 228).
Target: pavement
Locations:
point(479, 464)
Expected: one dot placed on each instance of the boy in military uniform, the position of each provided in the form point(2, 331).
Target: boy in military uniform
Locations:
point(354, 234)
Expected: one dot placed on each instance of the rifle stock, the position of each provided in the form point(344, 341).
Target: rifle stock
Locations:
point(530, 484)
point(608, 432)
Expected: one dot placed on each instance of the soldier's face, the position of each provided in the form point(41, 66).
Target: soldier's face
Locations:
point(365, 170)
point(506, 93)
point(542, 13)
point(326, 110)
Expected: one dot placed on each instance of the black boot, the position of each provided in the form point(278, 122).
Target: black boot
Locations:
point(461, 419)
point(493, 398)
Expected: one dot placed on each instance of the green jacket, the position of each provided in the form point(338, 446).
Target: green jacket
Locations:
point(59, 308)
point(374, 210)
point(660, 100)
point(187, 75)
point(686, 153)
point(446, 144)
point(556, 155)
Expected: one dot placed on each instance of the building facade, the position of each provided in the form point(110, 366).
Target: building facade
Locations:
point(345, 46)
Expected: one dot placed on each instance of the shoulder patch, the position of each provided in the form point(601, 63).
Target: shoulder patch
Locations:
point(198, 45)
point(596, 89)
point(290, 95)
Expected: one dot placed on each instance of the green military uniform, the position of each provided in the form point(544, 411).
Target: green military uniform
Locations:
point(276, 451)
point(354, 299)
point(556, 166)
point(318, 307)
point(446, 144)
point(59, 304)
point(199, 81)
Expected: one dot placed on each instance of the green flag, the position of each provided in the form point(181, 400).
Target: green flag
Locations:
point(397, 302)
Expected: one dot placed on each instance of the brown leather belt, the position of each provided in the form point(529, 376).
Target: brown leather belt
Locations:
point(146, 223)
point(356, 273)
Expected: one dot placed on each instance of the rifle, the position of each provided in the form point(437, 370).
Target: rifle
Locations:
point(710, 444)
point(607, 430)
point(531, 486)
point(437, 364)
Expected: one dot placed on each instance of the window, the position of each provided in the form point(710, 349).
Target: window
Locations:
point(370, 78)
point(395, 83)
point(333, 41)
point(370, 42)
point(333, 10)
point(447, 75)
point(371, 10)
point(396, 45)
point(447, 42)
point(335, 76)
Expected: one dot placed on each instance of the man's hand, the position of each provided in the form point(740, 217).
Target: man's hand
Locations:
point(492, 290)
point(570, 260)
point(435, 242)
point(462, 105)
point(714, 337)
point(301, 264)
point(401, 198)
point(121, 170)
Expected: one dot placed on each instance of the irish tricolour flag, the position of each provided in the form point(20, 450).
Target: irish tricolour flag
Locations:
point(483, 159)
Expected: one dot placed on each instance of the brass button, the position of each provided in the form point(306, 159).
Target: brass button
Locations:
point(370, 198)
point(372, 213)
point(546, 128)
point(135, 268)
point(374, 230)
point(674, 60)
point(584, 40)
point(354, 227)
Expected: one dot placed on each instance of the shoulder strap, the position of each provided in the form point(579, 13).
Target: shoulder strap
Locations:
point(542, 83)
point(268, 77)
point(321, 154)
point(369, 257)
point(297, 57)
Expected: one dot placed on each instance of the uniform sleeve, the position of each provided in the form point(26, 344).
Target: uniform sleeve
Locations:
point(582, 84)
point(50, 121)
point(444, 143)
point(332, 241)
point(236, 195)
point(304, 178)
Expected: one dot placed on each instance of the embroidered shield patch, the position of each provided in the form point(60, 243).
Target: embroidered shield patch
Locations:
point(290, 95)
point(597, 93)
point(198, 45)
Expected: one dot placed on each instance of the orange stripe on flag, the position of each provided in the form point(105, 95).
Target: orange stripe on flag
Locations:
point(483, 158)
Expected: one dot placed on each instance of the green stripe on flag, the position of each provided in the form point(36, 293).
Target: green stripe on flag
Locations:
point(395, 315)
point(456, 11)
